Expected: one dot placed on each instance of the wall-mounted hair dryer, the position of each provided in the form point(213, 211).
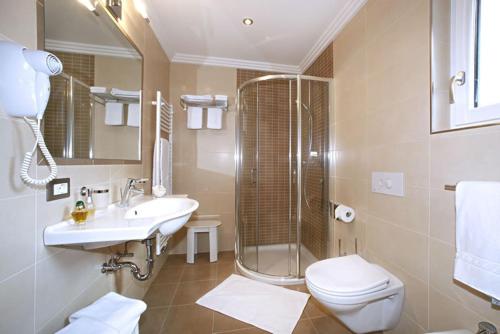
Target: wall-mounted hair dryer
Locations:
point(24, 92)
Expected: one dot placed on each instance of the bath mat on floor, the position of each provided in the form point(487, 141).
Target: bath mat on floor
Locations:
point(269, 307)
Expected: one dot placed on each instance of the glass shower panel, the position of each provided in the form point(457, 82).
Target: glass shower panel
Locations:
point(247, 173)
point(314, 199)
point(277, 241)
point(273, 184)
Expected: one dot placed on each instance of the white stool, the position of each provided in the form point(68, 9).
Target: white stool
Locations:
point(200, 226)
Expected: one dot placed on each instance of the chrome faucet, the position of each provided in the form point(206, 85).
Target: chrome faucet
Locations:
point(131, 188)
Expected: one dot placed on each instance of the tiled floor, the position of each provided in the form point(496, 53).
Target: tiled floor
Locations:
point(172, 296)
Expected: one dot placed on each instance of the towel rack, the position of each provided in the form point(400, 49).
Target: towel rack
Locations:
point(213, 103)
point(450, 187)
point(164, 129)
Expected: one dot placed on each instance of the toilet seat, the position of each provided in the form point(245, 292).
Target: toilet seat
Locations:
point(346, 276)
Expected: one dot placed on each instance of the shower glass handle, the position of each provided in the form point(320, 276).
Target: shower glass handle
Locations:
point(253, 176)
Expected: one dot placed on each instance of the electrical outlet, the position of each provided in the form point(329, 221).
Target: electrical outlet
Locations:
point(58, 189)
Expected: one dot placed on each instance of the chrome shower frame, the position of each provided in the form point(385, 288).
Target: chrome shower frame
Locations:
point(297, 278)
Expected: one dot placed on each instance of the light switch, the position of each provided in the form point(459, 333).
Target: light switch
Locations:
point(388, 183)
point(58, 189)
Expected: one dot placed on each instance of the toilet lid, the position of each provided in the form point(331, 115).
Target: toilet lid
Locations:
point(347, 275)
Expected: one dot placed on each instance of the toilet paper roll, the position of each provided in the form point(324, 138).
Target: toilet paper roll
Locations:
point(344, 213)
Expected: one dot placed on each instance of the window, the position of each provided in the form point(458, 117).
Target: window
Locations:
point(475, 61)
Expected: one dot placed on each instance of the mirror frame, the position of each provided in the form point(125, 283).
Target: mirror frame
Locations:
point(431, 84)
point(40, 13)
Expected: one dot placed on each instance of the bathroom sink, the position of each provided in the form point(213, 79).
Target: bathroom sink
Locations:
point(174, 212)
point(115, 225)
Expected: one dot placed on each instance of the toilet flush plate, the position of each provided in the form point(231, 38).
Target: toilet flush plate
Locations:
point(388, 183)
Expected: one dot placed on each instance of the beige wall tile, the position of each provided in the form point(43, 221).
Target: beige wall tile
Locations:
point(17, 306)
point(460, 156)
point(204, 165)
point(398, 246)
point(442, 215)
point(445, 314)
point(18, 234)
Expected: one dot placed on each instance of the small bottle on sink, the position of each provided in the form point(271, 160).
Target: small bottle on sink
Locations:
point(80, 213)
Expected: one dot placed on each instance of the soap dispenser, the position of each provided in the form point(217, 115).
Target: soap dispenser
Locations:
point(89, 202)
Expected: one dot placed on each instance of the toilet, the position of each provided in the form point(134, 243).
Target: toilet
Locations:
point(364, 296)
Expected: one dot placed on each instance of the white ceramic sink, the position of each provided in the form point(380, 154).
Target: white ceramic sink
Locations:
point(174, 212)
point(114, 225)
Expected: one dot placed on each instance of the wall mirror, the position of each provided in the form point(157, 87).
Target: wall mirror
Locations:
point(94, 109)
point(465, 64)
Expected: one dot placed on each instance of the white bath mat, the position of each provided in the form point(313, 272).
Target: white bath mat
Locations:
point(268, 307)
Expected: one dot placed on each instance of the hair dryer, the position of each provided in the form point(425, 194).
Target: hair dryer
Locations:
point(24, 92)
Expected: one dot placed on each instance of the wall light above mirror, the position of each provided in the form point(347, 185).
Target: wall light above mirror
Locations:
point(94, 111)
point(465, 64)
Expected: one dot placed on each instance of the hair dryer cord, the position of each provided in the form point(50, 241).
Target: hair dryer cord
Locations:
point(28, 157)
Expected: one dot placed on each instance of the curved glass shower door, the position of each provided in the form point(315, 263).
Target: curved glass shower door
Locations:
point(282, 146)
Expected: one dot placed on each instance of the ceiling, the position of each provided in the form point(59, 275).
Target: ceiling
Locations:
point(286, 36)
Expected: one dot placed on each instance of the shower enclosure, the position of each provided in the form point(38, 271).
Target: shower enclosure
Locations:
point(282, 205)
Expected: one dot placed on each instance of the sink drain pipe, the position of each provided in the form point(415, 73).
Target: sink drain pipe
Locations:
point(114, 263)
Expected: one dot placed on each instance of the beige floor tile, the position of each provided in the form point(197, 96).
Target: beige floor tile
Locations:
point(169, 274)
point(224, 270)
point(252, 330)
point(175, 259)
point(188, 319)
point(152, 320)
point(160, 295)
point(190, 292)
point(227, 256)
point(314, 309)
point(199, 272)
point(305, 327)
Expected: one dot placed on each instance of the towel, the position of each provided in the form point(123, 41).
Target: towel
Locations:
point(221, 98)
point(477, 262)
point(194, 117)
point(125, 93)
point(197, 98)
point(162, 168)
point(214, 118)
point(134, 115)
point(114, 310)
point(114, 113)
point(87, 325)
point(96, 89)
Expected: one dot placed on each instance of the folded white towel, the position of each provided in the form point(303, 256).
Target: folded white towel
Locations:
point(96, 89)
point(125, 93)
point(214, 118)
point(114, 310)
point(114, 113)
point(477, 262)
point(87, 325)
point(197, 98)
point(134, 115)
point(222, 98)
point(194, 117)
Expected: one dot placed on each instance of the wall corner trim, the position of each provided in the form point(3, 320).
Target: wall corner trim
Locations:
point(236, 63)
point(345, 15)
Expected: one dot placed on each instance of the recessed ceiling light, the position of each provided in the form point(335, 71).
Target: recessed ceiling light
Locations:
point(247, 21)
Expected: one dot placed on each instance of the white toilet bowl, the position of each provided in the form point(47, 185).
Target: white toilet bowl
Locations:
point(364, 296)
